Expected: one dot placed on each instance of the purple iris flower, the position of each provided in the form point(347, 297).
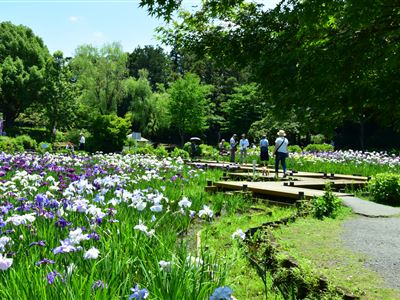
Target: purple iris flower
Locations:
point(51, 277)
point(222, 293)
point(99, 284)
point(40, 244)
point(94, 236)
point(138, 293)
point(62, 223)
point(45, 261)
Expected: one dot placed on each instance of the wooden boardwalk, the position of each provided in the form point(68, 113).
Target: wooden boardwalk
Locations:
point(276, 189)
point(297, 185)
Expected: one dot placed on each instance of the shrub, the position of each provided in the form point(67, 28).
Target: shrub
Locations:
point(161, 151)
point(26, 142)
point(9, 145)
point(177, 152)
point(145, 149)
point(319, 148)
point(385, 188)
point(327, 205)
point(109, 133)
point(208, 151)
point(294, 149)
point(44, 147)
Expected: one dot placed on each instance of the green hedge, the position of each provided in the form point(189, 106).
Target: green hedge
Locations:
point(319, 148)
point(385, 188)
point(10, 145)
point(26, 142)
point(294, 149)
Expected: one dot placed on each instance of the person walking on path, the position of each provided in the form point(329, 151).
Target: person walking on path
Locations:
point(232, 147)
point(243, 144)
point(82, 141)
point(264, 155)
point(281, 152)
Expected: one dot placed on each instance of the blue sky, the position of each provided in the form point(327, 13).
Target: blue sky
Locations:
point(66, 24)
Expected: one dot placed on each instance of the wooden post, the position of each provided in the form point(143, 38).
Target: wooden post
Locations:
point(301, 195)
point(209, 183)
point(244, 187)
point(291, 183)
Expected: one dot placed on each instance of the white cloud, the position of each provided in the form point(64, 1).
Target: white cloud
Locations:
point(73, 19)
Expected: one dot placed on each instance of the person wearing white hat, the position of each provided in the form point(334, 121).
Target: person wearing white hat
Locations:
point(281, 152)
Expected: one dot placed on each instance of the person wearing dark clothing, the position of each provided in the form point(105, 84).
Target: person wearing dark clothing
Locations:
point(281, 152)
point(264, 155)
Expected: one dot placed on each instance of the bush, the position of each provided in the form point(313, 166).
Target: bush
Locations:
point(161, 151)
point(145, 149)
point(9, 145)
point(177, 152)
point(385, 188)
point(208, 151)
point(327, 205)
point(44, 147)
point(294, 149)
point(109, 133)
point(26, 142)
point(319, 148)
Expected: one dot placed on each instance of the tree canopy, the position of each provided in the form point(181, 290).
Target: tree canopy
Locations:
point(335, 60)
point(22, 62)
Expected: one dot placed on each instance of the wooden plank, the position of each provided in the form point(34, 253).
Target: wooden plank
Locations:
point(249, 168)
point(273, 189)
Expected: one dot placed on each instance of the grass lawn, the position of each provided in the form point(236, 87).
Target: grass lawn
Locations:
point(318, 243)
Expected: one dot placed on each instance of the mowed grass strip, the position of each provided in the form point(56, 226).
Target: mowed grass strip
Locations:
point(318, 243)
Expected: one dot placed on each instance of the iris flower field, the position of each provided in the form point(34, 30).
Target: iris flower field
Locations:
point(102, 227)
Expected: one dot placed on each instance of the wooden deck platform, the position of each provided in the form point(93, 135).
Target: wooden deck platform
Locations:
point(273, 189)
point(297, 185)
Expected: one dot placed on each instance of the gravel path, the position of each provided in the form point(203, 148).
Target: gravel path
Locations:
point(379, 239)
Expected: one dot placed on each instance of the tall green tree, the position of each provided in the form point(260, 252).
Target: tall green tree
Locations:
point(138, 93)
point(189, 105)
point(154, 60)
point(23, 56)
point(61, 93)
point(100, 73)
point(245, 106)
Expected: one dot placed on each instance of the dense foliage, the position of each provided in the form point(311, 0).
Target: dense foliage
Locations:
point(385, 188)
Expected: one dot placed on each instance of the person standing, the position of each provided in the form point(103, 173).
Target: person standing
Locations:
point(82, 142)
point(221, 147)
point(244, 144)
point(232, 147)
point(281, 152)
point(264, 155)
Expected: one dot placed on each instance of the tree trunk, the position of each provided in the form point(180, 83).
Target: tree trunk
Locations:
point(9, 120)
